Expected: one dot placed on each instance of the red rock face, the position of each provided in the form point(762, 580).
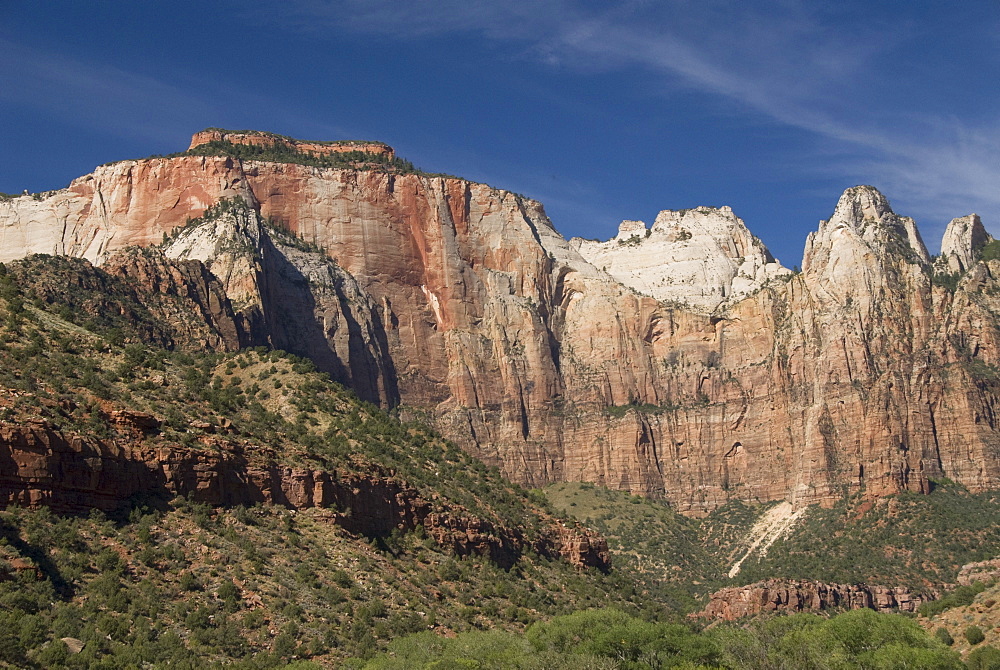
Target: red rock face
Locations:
point(40, 465)
point(776, 595)
point(196, 286)
point(857, 374)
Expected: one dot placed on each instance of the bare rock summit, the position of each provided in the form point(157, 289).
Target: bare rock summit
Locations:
point(701, 257)
point(963, 239)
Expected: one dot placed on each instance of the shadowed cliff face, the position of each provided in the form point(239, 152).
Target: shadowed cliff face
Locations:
point(292, 296)
point(463, 301)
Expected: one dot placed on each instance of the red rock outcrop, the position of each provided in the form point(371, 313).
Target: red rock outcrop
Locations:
point(261, 139)
point(775, 595)
point(860, 373)
point(40, 465)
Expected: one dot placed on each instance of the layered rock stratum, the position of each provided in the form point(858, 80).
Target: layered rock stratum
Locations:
point(775, 595)
point(685, 364)
point(40, 464)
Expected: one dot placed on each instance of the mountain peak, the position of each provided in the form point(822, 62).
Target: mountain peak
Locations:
point(864, 221)
point(861, 204)
point(963, 238)
point(701, 257)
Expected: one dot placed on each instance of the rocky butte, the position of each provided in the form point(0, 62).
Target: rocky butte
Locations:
point(270, 140)
point(681, 361)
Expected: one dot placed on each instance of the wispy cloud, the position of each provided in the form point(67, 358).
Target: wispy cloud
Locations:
point(95, 95)
point(817, 69)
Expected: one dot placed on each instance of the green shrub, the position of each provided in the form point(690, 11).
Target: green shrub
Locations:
point(990, 251)
point(943, 636)
point(986, 657)
point(960, 597)
point(974, 634)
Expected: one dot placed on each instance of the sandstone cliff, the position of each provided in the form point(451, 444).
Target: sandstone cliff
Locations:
point(775, 595)
point(261, 139)
point(963, 239)
point(293, 297)
point(461, 300)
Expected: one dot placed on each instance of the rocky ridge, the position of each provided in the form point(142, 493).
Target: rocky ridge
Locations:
point(979, 571)
point(261, 139)
point(859, 374)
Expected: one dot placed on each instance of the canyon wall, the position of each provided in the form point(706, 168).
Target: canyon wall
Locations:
point(462, 303)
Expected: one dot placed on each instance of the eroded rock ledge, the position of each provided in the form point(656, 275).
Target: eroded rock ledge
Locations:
point(777, 595)
point(42, 466)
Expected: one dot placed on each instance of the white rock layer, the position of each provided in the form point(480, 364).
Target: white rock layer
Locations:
point(701, 257)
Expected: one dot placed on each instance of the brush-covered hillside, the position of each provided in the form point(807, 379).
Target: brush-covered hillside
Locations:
point(171, 503)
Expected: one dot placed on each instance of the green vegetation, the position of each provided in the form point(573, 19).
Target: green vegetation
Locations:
point(990, 251)
point(665, 551)
point(633, 241)
point(948, 280)
point(263, 586)
point(917, 541)
point(286, 138)
point(245, 214)
point(986, 657)
point(610, 639)
point(960, 597)
point(982, 371)
point(943, 636)
point(282, 152)
point(906, 540)
point(254, 586)
point(974, 635)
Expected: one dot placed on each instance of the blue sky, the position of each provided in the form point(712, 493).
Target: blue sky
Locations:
point(603, 111)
